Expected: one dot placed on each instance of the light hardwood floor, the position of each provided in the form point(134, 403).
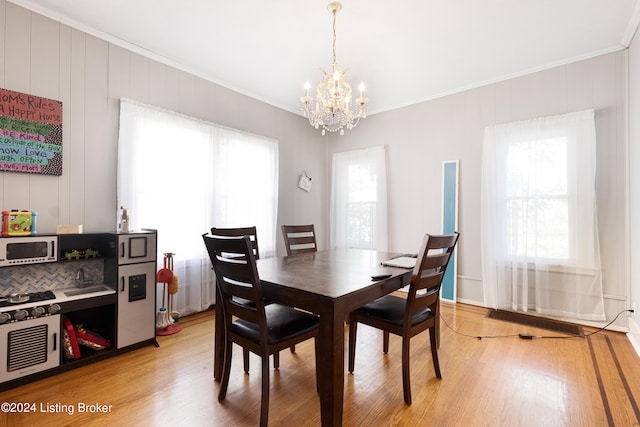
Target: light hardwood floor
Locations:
point(503, 381)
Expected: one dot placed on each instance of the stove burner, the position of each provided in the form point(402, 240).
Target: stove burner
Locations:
point(33, 297)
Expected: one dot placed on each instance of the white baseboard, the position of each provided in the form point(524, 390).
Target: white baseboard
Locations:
point(634, 334)
point(470, 302)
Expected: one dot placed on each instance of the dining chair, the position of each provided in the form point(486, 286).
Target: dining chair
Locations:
point(252, 232)
point(414, 314)
point(253, 237)
point(299, 239)
point(259, 328)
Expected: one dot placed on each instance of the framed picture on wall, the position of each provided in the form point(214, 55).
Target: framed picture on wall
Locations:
point(30, 133)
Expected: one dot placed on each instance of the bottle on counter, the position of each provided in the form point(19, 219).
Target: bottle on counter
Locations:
point(124, 219)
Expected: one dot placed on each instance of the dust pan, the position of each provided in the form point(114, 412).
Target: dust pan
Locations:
point(165, 275)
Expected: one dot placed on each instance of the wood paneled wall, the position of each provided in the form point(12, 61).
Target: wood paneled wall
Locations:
point(89, 75)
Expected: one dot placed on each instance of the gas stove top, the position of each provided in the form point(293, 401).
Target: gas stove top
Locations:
point(19, 307)
point(43, 303)
point(6, 301)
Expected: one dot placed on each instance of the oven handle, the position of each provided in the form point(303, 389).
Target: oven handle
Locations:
point(55, 341)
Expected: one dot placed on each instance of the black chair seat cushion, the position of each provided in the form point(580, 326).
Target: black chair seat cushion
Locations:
point(391, 308)
point(283, 323)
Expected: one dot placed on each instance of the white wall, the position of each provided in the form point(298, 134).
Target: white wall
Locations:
point(420, 137)
point(634, 199)
point(45, 58)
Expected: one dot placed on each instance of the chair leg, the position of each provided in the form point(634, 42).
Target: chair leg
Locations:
point(433, 337)
point(264, 403)
point(406, 383)
point(315, 344)
point(219, 338)
point(437, 325)
point(245, 358)
point(276, 360)
point(293, 348)
point(353, 330)
point(226, 371)
point(385, 342)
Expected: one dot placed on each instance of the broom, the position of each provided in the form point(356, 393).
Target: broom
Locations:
point(173, 289)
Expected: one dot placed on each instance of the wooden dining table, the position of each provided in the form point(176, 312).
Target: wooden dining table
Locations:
point(330, 284)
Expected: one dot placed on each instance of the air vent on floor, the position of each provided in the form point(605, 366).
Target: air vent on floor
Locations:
point(536, 322)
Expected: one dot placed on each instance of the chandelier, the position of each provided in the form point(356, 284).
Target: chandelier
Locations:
point(333, 108)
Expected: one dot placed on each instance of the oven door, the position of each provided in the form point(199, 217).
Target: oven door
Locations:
point(29, 346)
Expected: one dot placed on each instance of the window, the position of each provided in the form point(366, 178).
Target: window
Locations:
point(537, 199)
point(359, 199)
point(540, 248)
point(182, 176)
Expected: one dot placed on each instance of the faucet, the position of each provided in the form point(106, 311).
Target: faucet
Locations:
point(79, 278)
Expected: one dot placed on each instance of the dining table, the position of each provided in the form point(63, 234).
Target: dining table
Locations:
point(330, 284)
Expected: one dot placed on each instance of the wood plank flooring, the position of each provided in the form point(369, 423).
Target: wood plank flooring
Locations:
point(502, 381)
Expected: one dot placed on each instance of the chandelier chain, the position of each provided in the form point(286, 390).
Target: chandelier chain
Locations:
point(335, 12)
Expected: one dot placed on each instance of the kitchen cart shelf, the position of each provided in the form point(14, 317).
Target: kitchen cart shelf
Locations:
point(89, 356)
point(83, 247)
point(80, 260)
point(87, 303)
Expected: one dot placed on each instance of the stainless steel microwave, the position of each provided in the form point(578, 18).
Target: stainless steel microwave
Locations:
point(28, 250)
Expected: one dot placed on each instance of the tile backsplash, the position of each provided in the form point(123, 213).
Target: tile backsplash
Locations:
point(48, 276)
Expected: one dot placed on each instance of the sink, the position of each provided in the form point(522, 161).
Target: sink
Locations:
point(87, 290)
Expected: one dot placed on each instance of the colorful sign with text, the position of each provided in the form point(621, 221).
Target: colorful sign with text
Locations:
point(30, 134)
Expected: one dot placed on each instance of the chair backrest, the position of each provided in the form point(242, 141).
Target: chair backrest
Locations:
point(237, 277)
point(299, 239)
point(239, 232)
point(433, 259)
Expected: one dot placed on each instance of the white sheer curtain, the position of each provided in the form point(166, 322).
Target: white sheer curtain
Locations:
point(182, 176)
point(358, 211)
point(540, 247)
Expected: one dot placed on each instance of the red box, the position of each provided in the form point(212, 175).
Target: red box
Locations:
point(91, 339)
point(75, 350)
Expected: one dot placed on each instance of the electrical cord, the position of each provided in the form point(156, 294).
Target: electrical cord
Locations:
point(530, 337)
point(478, 337)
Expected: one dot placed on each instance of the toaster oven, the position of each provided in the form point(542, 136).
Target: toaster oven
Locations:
point(28, 250)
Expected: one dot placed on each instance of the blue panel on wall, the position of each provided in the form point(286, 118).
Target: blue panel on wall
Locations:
point(449, 222)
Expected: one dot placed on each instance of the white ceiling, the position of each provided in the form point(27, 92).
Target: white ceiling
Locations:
point(405, 52)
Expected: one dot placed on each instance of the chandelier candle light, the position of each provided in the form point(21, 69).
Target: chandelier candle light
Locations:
point(333, 105)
